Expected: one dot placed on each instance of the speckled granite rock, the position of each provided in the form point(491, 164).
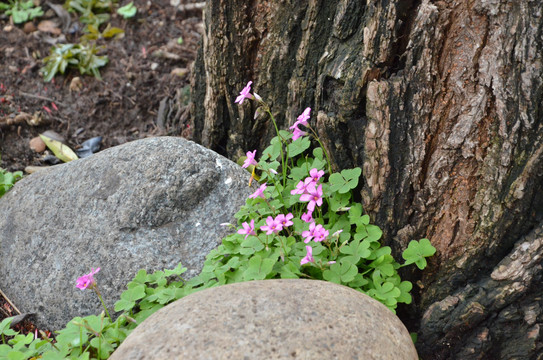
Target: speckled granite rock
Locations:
point(147, 204)
point(271, 319)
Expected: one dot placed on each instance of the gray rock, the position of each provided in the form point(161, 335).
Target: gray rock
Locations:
point(148, 204)
point(271, 319)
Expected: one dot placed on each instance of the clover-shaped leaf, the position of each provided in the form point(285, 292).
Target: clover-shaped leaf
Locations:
point(342, 272)
point(258, 268)
point(356, 250)
point(345, 181)
point(129, 298)
point(74, 333)
point(338, 201)
point(387, 293)
point(417, 251)
point(250, 246)
point(179, 269)
point(5, 327)
point(299, 146)
point(405, 287)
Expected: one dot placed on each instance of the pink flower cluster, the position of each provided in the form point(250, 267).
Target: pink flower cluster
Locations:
point(301, 120)
point(311, 192)
point(273, 226)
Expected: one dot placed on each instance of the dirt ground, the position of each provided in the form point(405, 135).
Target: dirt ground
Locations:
point(147, 66)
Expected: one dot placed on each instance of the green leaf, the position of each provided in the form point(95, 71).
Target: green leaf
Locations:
point(273, 151)
point(110, 32)
point(345, 181)
point(250, 246)
point(5, 327)
point(342, 272)
point(179, 269)
point(417, 251)
point(356, 250)
point(290, 270)
point(405, 297)
point(129, 298)
point(258, 268)
point(60, 150)
point(338, 201)
point(74, 333)
point(297, 147)
point(16, 355)
point(127, 11)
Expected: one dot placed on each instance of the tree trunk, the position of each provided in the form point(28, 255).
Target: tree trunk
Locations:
point(441, 104)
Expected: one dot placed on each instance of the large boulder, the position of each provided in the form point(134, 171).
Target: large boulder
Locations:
point(147, 204)
point(271, 319)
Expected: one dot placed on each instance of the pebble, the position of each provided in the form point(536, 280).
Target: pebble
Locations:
point(37, 144)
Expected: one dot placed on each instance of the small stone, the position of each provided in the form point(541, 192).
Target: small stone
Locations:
point(37, 144)
point(154, 66)
point(29, 27)
point(180, 72)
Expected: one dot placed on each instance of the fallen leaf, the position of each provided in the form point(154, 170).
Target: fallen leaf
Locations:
point(48, 26)
point(76, 84)
point(60, 150)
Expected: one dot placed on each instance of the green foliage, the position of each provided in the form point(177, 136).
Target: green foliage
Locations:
point(350, 254)
point(417, 251)
point(21, 11)
point(8, 179)
point(79, 56)
point(127, 11)
point(91, 12)
point(84, 55)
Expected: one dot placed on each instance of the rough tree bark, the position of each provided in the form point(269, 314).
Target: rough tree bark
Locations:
point(441, 104)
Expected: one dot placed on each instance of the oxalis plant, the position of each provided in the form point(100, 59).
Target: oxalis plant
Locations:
point(301, 222)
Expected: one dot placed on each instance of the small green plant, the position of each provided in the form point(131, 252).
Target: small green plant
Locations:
point(8, 179)
point(80, 56)
point(301, 222)
point(127, 11)
point(21, 11)
point(91, 12)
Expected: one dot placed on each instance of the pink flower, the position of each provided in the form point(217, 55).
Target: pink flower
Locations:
point(250, 159)
point(284, 220)
point(244, 94)
point(314, 196)
point(248, 229)
point(259, 192)
point(272, 226)
point(309, 234)
point(320, 233)
point(302, 119)
point(316, 174)
point(301, 187)
point(87, 280)
point(297, 133)
point(308, 257)
point(307, 217)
